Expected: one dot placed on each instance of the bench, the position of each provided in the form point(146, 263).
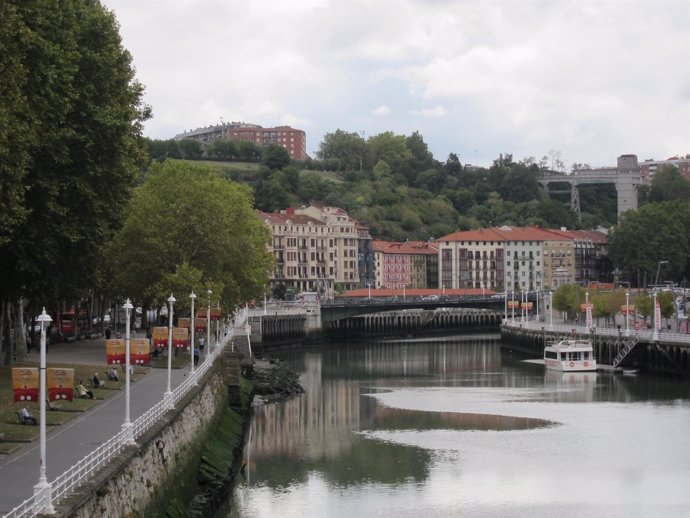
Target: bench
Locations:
point(28, 420)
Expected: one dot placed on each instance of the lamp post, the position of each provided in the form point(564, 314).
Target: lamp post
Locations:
point(505, 304)
point(369, 286)
point(127, 425)
point(404, 292)
point(655, 334)
point(627, 312)
point(168, 392)
point(208, 325)
point(512, 303)
point(43, 490)
point(192, 296)
point(551, 309)
point(586, 308)
point(658, 267)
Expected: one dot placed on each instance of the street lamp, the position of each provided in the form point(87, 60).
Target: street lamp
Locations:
point(168, 392)
point(655, 334)
point(43, 490)
point(369, 286)
point(551, 309)
point(192, 296)
point(127, 425)
point(658, 267)
point(208, 325)
point(404, 292)
point(627, 312)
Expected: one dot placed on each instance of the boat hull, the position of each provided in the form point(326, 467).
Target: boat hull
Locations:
point(570, 366)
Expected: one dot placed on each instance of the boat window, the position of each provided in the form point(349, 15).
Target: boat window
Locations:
point(575, 356)
point(553, 355)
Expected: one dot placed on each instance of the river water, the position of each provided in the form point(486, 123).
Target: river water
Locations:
point(451, 427)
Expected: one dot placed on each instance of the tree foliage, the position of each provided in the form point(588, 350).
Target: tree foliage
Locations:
point(70, 145)
point(185, 219)
point(656, 232)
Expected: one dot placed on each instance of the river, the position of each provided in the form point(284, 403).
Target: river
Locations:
point(451, 427)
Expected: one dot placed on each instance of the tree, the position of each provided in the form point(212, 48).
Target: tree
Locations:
point(655, 232)
point(388, 147)
point(182, 219)
point(71, 118)
point(568, 298)
point(274, 157)
point(347, 150)
point(668, 184)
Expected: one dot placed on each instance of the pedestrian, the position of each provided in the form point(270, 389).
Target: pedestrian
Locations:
point(202, 342)
point(107, 333)
point(196, 356)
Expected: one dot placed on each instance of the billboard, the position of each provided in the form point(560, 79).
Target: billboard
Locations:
point(180, 337)
point(115, 351)
point(60, 384)
point(160, 336)
point(25, 384)
point(139, 349)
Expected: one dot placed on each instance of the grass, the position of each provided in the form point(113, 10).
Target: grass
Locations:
point(14, 434)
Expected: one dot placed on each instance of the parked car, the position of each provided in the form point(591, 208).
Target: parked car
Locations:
point(430, 298)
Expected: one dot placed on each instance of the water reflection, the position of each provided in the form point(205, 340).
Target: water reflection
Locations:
point(453, 427)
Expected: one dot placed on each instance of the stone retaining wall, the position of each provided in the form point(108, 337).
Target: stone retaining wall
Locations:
point(150, 471)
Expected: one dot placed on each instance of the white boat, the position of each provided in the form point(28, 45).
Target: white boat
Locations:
point(570, 355)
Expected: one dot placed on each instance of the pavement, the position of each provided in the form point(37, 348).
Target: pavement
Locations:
point(70, 442)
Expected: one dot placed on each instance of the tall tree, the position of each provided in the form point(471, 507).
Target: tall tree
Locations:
point(185, 217)
point(348, 150)
point(656, 232)
point(71, 118)
point(274, 157)
point(388, 147)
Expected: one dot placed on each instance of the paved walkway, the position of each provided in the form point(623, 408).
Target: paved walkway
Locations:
point(69, 443)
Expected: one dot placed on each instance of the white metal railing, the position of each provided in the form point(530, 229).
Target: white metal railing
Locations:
point(94, 461)
point(646, 334)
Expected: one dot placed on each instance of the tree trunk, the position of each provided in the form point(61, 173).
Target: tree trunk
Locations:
point(20, 333)
point(4, 340)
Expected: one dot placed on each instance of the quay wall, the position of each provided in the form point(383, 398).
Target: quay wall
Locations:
point(145, 478)
point(658, 357)
point(414, 323)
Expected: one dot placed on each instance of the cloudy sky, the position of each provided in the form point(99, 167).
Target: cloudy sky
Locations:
point(591, 79)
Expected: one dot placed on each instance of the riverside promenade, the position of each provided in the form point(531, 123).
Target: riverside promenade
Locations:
point(70, 442)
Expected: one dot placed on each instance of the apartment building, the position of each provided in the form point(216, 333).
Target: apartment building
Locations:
point(293, 140)
point(316, 248)
point(410, 264)
point(472, 259)
point(649, 168)
point(521, 258)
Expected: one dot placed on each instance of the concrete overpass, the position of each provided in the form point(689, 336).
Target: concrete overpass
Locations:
point(626, 182)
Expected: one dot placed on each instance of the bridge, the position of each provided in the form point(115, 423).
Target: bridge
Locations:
point(626, 182)
point(345, 308)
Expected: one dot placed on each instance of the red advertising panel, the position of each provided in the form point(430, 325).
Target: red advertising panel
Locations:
point(199, 325)
point(215, 313)
point(115, 351)
point(139, 349)
point(25, 384)
point(180, 337)
point(60, 384)
point(184, 322)
point(160, 336)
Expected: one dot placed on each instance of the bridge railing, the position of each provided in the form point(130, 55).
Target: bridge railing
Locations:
point(83, 470)
point(664, 336)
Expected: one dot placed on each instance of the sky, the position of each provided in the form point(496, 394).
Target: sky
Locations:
point(585, 80)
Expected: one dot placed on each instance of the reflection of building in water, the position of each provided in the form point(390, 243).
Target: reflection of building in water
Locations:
point(313, 425)
point(570, 386)
point(423, 358)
